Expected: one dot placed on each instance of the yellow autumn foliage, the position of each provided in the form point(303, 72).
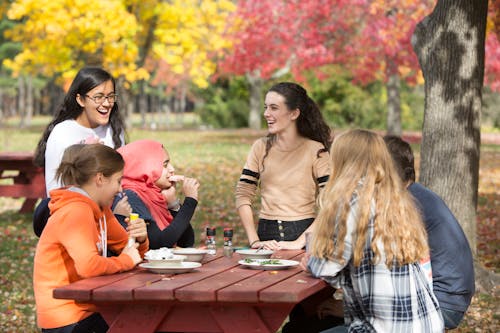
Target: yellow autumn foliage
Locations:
point(59, 37)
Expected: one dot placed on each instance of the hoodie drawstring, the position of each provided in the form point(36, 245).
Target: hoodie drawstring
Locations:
point(103, 231)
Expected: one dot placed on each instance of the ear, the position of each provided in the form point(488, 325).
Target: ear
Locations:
point(295, 114)
point(80, 100)
point(99, 179)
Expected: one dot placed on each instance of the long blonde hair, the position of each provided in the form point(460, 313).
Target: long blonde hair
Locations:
point(362, 166)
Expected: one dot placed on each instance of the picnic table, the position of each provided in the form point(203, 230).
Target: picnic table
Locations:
point(219, 296)
point(25, 179)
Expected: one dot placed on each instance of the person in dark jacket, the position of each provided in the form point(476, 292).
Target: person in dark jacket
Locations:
point(149, 184)
point(451, 256)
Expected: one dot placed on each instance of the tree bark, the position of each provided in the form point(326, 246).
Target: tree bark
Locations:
point(21, 101)
point(450, 47)
point(30, 100)
point(393, 101)
point(254, 118)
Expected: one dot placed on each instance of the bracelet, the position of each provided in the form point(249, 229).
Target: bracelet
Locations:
point(255, 241)
point(174, 205)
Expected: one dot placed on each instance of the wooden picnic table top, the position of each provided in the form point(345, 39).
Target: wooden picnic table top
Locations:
point(219, 296)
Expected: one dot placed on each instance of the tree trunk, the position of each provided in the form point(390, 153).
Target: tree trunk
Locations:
point(142, 102)
point(393, 99)
point(450, 47)
point(21, 101)
point(255, 81)
point(30, 100)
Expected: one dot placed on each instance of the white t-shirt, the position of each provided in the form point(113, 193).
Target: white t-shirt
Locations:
point(68, 133)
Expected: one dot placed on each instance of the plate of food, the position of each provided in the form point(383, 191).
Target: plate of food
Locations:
point(268, 264)
point(163, 256)
point(184, 267)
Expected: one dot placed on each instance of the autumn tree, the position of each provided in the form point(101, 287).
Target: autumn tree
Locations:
point(450, 45)
point(272, 37)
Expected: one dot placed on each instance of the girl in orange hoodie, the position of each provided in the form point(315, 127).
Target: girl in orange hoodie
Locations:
point(78, 234)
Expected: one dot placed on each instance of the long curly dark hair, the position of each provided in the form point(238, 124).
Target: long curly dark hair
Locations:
point(87, 79)
point(310, 123)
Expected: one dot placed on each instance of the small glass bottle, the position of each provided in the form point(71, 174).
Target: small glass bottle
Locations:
point(228, 242)
point(210, 241)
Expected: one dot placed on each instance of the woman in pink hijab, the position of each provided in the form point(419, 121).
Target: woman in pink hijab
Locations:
point(149, 183)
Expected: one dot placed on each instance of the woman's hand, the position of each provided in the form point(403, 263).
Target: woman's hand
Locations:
point(122, 207)
point(137, 229)
point(304, 261)
point(190, 187)
point(133, 253)
point(268, 245)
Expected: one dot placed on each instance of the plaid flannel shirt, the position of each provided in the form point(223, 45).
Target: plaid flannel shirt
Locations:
point(376, 298)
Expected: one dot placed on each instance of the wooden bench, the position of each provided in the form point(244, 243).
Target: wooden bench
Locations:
point(25, 179)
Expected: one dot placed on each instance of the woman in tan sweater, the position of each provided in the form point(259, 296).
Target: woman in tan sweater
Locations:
point(289, 166)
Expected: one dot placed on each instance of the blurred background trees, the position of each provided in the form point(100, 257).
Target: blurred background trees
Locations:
point(216, 57)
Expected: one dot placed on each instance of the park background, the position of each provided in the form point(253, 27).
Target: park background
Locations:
point(192, 75)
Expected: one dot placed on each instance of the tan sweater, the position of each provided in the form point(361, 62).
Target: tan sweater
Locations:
point(289, 180)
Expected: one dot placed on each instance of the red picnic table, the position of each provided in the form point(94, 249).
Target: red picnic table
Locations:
point(219, 296)
point(26, 179)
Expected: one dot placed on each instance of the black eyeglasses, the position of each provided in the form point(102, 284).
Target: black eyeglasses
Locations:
point(99, 98)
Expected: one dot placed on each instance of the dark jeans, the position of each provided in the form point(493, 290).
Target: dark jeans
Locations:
point(94, 323)
point(282, 230)
point(451, 318)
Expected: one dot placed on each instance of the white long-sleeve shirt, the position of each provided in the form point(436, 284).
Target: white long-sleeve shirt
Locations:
point(68, 133)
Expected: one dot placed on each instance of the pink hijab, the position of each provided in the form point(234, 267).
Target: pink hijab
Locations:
point(143, 167)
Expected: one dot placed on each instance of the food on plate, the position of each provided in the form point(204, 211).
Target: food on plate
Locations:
point(264, 262)
point(159, 254)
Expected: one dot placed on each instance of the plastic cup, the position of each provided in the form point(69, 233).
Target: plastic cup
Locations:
point(131, 240)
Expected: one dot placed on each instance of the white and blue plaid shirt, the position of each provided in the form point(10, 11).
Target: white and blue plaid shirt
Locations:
point(376, 298)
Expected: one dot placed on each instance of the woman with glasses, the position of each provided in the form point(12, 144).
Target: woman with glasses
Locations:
point(88, 114)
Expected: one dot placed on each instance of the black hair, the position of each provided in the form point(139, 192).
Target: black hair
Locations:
point(86, 79)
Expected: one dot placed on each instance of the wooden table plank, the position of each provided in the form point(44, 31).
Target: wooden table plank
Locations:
point(206, 290)
point(164, 288)
point(303, 284)
point(82, 290)
point(123, 290)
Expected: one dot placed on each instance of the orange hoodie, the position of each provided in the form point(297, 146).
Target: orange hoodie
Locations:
point(70, 249)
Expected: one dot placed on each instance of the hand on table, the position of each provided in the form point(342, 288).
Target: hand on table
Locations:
point(303, 262)
point(133, 253)
point(268, 245)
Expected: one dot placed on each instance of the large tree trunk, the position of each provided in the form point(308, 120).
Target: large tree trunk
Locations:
point(393, 105)
point(450, 47)
point(255, 81)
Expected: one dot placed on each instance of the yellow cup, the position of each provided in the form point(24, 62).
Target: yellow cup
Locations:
point(131, 240)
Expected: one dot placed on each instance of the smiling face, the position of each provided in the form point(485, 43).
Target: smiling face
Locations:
point(168, 171)
point(279, 118)
point(96, 114)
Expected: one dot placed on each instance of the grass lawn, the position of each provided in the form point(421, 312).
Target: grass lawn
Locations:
point(216, 159)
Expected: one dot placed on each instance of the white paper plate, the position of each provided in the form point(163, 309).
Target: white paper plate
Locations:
point(262, 264)
point(184, 267)
point(255, 253)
